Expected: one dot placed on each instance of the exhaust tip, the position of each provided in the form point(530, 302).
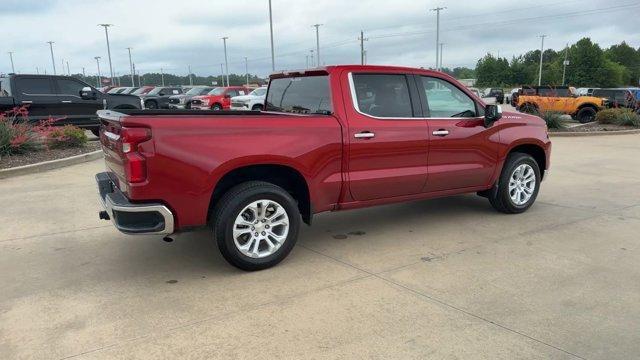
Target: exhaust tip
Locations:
point(104, 215)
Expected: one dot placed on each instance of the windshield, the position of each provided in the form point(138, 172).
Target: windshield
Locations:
point(155, 91)
point(141, 91)
point(216, 91)
point(302, 95)
point(197, 91)
point(259, 92)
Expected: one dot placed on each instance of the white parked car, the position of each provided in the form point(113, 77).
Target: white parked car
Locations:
point(253, 101)
point(487, 100)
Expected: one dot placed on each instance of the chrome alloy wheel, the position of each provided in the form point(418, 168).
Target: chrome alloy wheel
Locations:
point(522, 184)
point(261, 228)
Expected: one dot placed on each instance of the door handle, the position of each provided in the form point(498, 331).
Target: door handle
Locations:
point(440, 132)
point(66, 101)
point(364, 135)
point(27, 102)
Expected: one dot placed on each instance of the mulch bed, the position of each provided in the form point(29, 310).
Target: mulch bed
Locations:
point(46, 155)
point(594, 126)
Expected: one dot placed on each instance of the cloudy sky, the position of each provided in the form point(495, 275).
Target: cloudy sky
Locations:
point(173, 34)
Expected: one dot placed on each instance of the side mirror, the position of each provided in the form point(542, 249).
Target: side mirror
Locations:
point(87, 93)
point(492, 113)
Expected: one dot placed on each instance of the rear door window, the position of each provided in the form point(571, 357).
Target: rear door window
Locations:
point(383, 95)
point(35, 86)
point(302, 95)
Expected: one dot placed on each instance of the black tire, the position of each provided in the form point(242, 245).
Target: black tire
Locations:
point(216, 107)
point(150, 104)
point(586, 114)
point(499, 196)
point(257, 107)
point(96, 132)
point(528, 108)
point(230, 206)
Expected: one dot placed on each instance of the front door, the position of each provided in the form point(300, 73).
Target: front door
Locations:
point(388, 144)
point(462, 152)
point(76, 110)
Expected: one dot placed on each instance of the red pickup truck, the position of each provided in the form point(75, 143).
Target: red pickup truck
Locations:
point(331, 138)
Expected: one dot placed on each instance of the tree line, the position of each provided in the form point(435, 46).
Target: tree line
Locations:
point(589, 66)
point(155, 79)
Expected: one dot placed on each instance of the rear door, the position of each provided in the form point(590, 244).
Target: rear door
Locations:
point(388, 142)
point(38, 94)
point(462, 152)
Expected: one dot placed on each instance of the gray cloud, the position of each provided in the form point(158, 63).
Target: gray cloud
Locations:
point(173, 35)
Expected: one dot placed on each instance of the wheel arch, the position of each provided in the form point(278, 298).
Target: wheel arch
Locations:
point(535, 150)
point(285, 176)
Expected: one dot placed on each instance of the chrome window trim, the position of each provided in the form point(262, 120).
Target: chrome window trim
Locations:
point(354, 101)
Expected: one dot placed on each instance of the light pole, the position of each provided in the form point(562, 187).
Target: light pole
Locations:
point(99, 81)
point(162, 76)
point(246, 69)
point(190, 79)
point(312, 64)
point(541, 52)
point(307, 59)
point(565, 63)
point(131, 66)
point(437, 10)
point(68, 71)
point(226, 60)
point(273, 56)
point(317, 26)
point(53, 62)
point(441, 46)
point(222, 74)
point(106, 34)
point(13, 69)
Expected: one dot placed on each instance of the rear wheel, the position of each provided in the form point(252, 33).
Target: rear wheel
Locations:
point(257, 107)
point(216, 107)
point(256, 225)
point(586, 114)
point(518, 185)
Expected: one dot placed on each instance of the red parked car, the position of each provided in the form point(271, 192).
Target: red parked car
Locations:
point(218, 98)
point(333, 138)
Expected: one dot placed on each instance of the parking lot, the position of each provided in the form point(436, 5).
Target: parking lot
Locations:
point(447, 278)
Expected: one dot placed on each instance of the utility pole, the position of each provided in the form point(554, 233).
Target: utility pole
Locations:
point(441, 46)
point(190, 79)
point(246, 69)
point(273, 56)
point(365, 57)
point(106, 34)
point(565, 63)
point(362, 40)
point(68, 71)
point(84, 75)
point(222, 73)
point(437, 10)
point(317, 26)
point(131, 66)
point(162, 76)
point(13, 69)
point(99, 82)
point(226, 60)
point(62, 63)
point(541, 52)
point(37, 70)
point(53, 62)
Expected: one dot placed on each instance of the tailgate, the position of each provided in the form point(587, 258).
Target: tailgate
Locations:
point(110, 127)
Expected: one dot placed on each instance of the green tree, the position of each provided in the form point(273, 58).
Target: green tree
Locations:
point(628, 57)
point(492, 71)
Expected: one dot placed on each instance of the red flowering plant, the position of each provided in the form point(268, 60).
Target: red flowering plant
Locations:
point(17, 136)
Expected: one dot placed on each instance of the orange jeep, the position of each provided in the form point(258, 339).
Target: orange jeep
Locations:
point(538, 99)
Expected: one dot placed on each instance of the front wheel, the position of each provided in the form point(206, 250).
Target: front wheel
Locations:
point(257, 107)
point(586, 115)
point(216, 107)
point(256, 225)
point(150, 105)
point(517, 186)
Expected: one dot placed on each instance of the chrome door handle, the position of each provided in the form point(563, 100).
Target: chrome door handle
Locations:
point(364, 135)
point(441, 132)
point(27, 102)
point(66, 101)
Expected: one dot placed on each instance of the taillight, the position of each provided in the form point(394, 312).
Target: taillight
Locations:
point(135, 164)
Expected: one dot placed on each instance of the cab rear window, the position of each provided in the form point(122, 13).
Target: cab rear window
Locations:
point(301, 95)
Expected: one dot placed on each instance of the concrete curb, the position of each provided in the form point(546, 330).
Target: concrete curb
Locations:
point(50, 165)
point(594, 133)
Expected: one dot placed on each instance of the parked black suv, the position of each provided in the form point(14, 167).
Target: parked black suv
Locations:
point(158, 98)
point(62, 97)
point(496, 93)
point(616, 97)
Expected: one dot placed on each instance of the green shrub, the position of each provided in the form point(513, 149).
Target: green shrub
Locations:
point(553, 119)
point(628, 117)
point(607, 116)
point(68, 136)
